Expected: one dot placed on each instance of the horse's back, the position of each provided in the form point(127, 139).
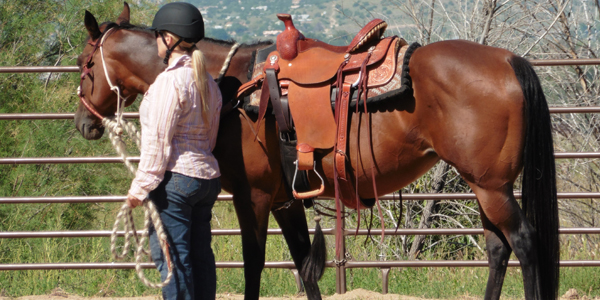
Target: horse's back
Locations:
point(470, 106)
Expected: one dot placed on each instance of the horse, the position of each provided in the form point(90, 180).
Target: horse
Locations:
point(480, 109)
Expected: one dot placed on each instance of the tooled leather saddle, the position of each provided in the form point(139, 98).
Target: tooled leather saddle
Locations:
point(298, 79)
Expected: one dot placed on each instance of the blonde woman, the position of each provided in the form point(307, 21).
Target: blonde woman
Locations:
point(177, 171)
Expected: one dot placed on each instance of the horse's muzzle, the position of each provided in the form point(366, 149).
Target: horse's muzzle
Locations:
point(89, 127)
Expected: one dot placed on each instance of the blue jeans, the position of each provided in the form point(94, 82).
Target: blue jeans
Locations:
point(185, 205)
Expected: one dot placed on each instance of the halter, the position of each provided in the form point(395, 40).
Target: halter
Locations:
point(86, 72)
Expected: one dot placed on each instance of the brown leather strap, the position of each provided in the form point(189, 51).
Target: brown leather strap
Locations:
point(347, 193)
point(306, 160)
point(342, 131)
point(275, 94)
point(249, 86)
point(264, 103)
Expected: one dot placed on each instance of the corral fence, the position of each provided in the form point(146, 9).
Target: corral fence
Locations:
point(340, 263)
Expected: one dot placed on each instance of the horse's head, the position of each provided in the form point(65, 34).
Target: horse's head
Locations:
point(117, 59)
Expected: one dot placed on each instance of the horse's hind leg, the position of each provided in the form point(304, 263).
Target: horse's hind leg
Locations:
point(293, 224)
point(498, 251)
point(505, 222)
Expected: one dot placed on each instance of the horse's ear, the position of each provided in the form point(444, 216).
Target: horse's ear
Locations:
point(124, 17)
point(92, 25)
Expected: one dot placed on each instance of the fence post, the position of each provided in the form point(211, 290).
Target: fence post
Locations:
point(385, 275)
point(340, 256)
point(299, 283)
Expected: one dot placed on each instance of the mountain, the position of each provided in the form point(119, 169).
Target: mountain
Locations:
point(334, 22)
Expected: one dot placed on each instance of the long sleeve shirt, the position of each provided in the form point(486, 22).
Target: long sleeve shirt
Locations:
point(174, 136)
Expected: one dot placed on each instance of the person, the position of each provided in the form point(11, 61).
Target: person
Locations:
point(179, 116)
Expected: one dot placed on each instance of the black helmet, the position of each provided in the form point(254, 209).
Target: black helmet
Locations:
point(182, 19)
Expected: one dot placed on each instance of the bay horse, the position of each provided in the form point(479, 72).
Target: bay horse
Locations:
point(480, 109)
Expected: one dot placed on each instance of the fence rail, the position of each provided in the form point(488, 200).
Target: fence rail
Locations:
point(225, 197)
point(384, 266)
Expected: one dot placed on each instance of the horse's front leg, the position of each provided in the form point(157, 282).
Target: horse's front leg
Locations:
point(292, 221)
point(253, 209)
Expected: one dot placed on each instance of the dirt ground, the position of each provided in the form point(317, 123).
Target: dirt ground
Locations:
point(358, 294)
point(351, 295)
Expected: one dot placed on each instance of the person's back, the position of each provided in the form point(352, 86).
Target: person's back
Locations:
point(177, 170)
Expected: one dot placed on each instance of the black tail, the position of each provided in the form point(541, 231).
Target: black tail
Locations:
point(314, 264)
point(539, 178)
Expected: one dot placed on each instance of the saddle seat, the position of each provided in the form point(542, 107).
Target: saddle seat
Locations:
point(291, 42)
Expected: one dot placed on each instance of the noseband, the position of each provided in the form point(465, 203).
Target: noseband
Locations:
point(86, 72)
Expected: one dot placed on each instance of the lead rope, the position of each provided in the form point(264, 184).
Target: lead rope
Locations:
point(115, 128)
point(227, 62)
point(125, 216)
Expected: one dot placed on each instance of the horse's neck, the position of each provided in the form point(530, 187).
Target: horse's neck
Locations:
point(140, 56)
point(216, 53)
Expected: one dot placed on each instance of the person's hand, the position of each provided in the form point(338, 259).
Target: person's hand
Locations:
point(133, 201)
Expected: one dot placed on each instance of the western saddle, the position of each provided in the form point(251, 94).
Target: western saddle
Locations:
point(298, 78)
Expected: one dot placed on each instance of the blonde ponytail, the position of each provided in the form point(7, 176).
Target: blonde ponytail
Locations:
point(200, 75)
point(201, 78)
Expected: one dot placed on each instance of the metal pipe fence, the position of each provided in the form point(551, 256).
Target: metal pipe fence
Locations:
point(384, 266)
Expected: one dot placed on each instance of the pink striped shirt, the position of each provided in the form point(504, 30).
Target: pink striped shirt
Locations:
point(174, 136)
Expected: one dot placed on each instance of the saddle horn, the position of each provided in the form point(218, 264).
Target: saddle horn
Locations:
point(287, 41)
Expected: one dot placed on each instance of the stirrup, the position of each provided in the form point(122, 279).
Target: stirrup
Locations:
point(309, 194)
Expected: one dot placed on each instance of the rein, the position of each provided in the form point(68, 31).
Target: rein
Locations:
point(115, 126)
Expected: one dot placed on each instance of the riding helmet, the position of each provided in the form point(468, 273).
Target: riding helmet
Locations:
point(182, 19)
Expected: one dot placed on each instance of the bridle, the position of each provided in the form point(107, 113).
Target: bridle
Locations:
point(111, 28)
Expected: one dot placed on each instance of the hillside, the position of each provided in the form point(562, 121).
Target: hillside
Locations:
point(335, 22)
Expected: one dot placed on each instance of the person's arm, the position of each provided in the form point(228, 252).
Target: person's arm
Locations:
point(162, 115)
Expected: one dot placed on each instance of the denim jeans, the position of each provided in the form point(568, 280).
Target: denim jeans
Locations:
point(185, 205)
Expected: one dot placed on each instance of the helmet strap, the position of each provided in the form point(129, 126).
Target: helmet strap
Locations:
point(169, 50)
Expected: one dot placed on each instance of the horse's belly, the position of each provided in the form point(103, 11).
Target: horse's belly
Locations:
point(401, 154)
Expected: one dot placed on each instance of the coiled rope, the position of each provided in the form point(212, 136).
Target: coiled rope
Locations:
point(125, 216)
point(115, 128)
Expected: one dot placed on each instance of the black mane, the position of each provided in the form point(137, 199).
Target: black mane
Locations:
point(230, 42)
